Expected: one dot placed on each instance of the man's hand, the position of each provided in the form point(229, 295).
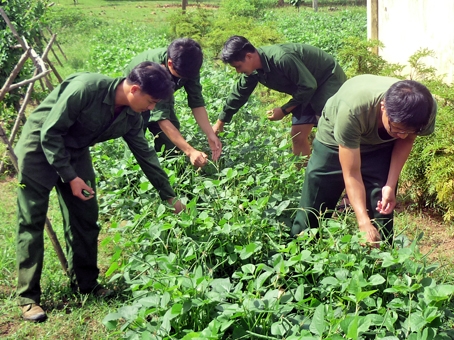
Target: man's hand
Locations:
point(78, 185)
point(177, 205)
point(218, 126)
point(388, 201)
point(215, 146)
point(276, 114)
point(198, 158)
point(372, 235)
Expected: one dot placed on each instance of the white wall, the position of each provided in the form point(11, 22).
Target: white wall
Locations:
point(405, 26)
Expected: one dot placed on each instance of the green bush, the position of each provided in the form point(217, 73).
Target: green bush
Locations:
point(224, 27)
point(356, 57)
point(195, 24)
point(245, 8)
point(427, 178)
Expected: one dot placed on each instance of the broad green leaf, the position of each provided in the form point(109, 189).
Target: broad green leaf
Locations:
point(318, 324)
point(278, 328)
point(329, 280)
point(144, 186)
point(261, 279)
point(248, 251)
point(221, 285)
point(248, 268)
point(299, 293)
point(360, 296)
point(352, 331)
point(438, 293)
point(281, 207)
point(111, 320)
point(376, 279)
point(113, 267)
point(176, 309)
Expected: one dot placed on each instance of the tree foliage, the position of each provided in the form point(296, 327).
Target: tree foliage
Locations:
point(25, 16)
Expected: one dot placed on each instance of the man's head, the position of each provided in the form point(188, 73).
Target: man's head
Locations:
point(408, 106)
point(240, 54)
point(149, 83)
point(185, 58)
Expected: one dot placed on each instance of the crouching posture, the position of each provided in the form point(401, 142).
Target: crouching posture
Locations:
point(365, 135)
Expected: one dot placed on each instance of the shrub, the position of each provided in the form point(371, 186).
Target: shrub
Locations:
point(195, 24)
point(224, 27)
point(245, 8)
point(356, 57)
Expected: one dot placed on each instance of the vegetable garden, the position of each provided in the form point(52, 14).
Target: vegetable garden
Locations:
point(226, 267)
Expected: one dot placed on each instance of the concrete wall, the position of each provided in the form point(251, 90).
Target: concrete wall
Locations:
point(405, 26)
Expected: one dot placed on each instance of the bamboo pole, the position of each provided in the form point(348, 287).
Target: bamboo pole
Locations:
point(31, 80)
point(5, 89)
point(46, 58)
point(20, 118)
point(58, 45)
point(39, 63)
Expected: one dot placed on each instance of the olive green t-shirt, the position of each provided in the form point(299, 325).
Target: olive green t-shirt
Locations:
point(350, 117)
point(295, 69)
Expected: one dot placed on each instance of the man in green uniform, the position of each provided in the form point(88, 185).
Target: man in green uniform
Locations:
point(307, 73)
point(364, 137)
point(183, 59)
point(53, 151)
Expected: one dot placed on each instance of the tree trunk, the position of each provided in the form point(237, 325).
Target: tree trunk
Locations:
point(315, 5)
point(184, 3)
point(280, 3)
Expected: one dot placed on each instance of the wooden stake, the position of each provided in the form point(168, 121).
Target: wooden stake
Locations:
point(58, 45)
point(5, 89)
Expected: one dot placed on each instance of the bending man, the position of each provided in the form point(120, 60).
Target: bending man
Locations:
point(182, 59)
point(307, 73)
point(53, 151)
point(364, 138)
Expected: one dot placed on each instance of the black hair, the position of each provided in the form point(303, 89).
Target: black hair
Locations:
point(187, 57)
point(409, 103)
point(153, 80)
point(235, 49)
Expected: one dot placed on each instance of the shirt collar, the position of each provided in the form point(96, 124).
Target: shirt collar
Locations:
point(263, 60)
point(109, 99)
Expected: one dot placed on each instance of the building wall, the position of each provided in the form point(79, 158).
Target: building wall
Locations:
point(405, 26)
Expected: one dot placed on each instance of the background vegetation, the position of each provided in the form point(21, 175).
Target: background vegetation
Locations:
point(226, 268)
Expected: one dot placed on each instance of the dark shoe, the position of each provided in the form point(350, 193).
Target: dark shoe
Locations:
point(102, 292)
point(33, 312)
point(99, 291)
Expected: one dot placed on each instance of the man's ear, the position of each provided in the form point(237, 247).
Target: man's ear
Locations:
point(134, 89)
point(382, 106)
point(169, 63)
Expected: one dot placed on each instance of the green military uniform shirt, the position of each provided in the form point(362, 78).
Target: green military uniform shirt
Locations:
point(350, 116)
point(295, 69)
point(164, 109)
point(76, 115)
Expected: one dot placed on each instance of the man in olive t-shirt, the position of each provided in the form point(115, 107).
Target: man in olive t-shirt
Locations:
point(183, 59)
point(365, 135)
point(308, 74)
point(54, 151)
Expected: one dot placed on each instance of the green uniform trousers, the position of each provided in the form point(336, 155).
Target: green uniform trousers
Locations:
point(324, 184)
point(81, 232)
